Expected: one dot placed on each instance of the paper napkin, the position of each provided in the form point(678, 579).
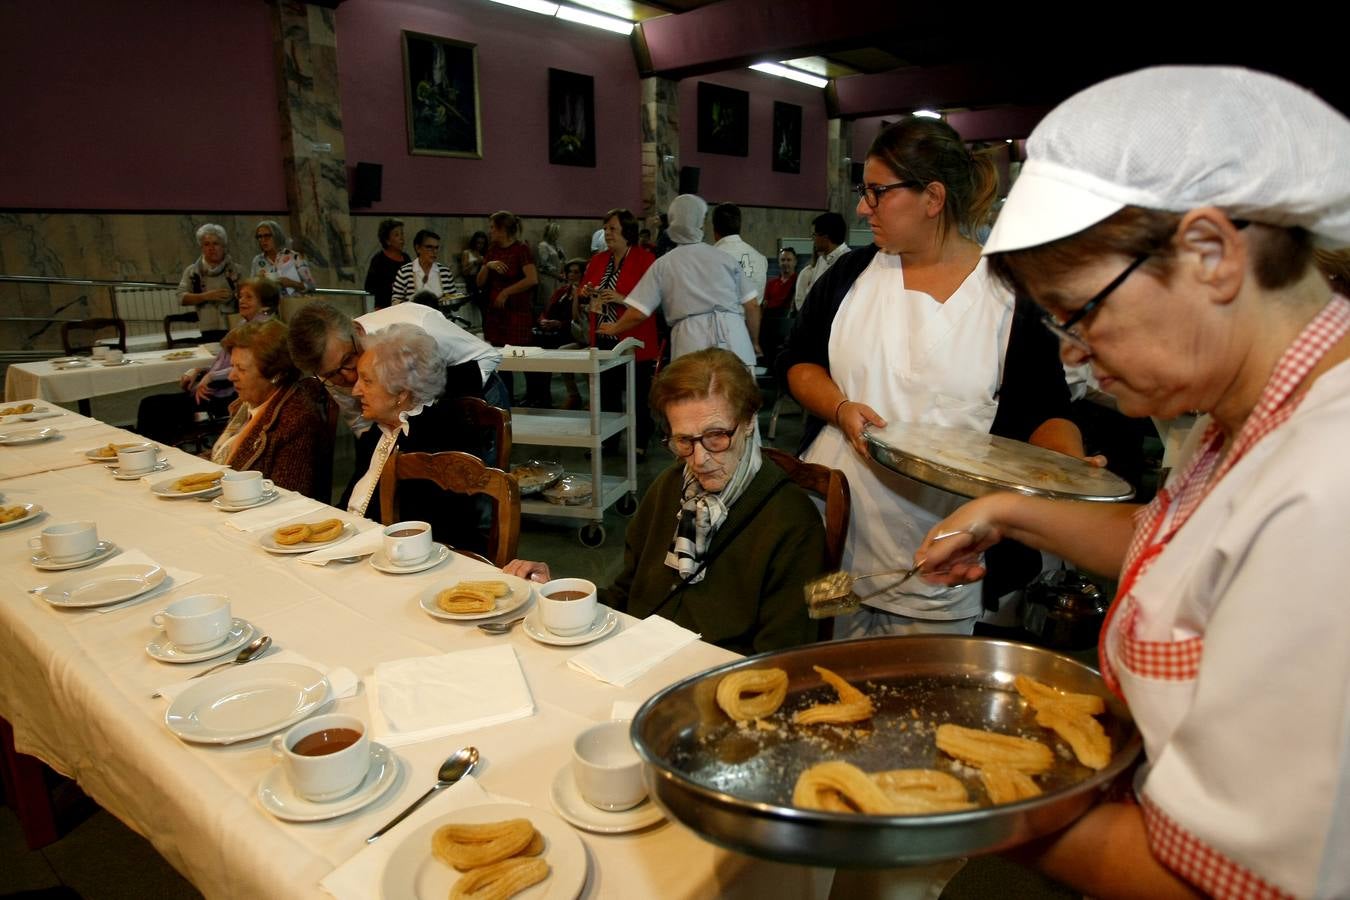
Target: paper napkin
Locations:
point(624, 657)
point(265, 517)
point(363, 544)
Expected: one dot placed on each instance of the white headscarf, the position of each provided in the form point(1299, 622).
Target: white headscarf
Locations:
point(686, 215)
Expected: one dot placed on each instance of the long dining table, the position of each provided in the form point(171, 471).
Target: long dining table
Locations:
point(48, 381)
point(76, 685)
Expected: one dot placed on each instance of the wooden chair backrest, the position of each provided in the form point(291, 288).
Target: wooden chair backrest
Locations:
point(93, 326)
point(185, 317)
point(831, 486)
point(460, 473)
point(485, 420)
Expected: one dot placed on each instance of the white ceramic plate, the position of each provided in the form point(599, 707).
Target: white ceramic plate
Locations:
point(28, 436)
point(519, 596)
point(245, 702)
point(160, 466)
point(412, 872)
point(606, 620)
point(96, 454)
point(269, 539)
point(32, 512)
point(163, 649)
point(38, 415)
point(103, 587)
point(70, 364)
point(224, 505)
point(165, 488)
point(102, 550)
point(439, 554)
point(568, 803)
point(64, 359)
point(278, 797)
point(110, 364)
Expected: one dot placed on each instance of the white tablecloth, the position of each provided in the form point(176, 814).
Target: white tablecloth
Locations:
point(42, 380)
point(74, 435)
point(76, 687)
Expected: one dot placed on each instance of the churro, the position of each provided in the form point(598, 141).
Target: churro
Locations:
point(1040, 695)
point(917, 791)
point(198, 481)
point(287, 535)
point(471, 846)
point(323, 532)
point(17, 410)
point(853, 705)
point(839, 787)
point(500, 880)
point(1082, 732)
point(989, 748)
point(464, 599)
point(12, 514)
point(1006, 785)
point(752, 693)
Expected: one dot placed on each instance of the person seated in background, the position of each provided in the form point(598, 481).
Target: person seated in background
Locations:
point(279, 424)
point(424, 273)
point(722, 543)
point(277, 261)
point(210, 285)
point(384, 265)
point(167, 417)
point(327, 342)
point(400, 377)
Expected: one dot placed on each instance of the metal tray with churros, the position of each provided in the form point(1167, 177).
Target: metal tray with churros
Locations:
point(733, 782)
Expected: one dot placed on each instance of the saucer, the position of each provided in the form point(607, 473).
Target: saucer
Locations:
point(160, 466)
point(224, 505)
point(605, 621)
point(278, 797)
point(73, 364)
point(439, 554)
point(568, 803)
point(163, 649)
point(28, 436)
point(102, 551)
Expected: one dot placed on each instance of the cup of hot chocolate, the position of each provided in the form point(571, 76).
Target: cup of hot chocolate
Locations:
point(326, 757)
point(567, 605)
point(407, 543)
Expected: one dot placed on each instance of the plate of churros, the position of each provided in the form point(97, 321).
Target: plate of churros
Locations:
point(884, 751)
point(491, 850)
point(306, 536)
point(10, 516)
point(193, 485)
point(108, 452)
point(475, 598)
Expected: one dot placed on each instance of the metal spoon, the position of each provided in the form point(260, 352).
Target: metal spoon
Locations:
point(455, 767)
point(501, 627)
point(256, 647)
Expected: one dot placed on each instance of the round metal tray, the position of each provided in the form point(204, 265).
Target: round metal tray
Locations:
point(972, 464)
point(733, 786)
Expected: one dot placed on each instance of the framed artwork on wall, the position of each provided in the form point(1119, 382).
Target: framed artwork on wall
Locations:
point(440, 85)
point(571, 119)
point(723, 120)
point(787, 137)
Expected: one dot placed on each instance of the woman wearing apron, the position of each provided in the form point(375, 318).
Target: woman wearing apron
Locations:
point(1187, 281)
point(913, 329)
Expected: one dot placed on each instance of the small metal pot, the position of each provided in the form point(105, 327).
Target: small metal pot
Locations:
point(1063, 610)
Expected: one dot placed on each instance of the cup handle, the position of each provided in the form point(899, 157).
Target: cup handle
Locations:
point(157, 619)
point(278, 746)
point(267, 485)
point(35, 543)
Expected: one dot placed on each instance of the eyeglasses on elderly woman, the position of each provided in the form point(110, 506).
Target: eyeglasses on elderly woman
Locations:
point(714, 440)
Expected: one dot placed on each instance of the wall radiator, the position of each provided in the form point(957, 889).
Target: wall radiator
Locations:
point(144, 309)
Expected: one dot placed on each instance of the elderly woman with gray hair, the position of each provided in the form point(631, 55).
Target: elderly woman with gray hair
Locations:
point(210, 285)
point(400, 377)
point(277, 261)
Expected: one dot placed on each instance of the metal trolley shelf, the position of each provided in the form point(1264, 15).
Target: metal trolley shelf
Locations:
point(587, 428)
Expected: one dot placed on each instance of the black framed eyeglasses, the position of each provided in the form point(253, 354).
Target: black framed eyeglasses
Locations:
point(1064, 330)
point(714, 440)
point(347, 365)
point(871, 194)
point(262, 234)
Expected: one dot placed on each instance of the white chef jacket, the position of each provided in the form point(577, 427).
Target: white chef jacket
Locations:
point(911, 359)
point(702, 291)
point(754, 265)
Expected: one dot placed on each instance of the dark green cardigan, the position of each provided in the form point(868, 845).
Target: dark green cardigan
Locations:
point(750, 599)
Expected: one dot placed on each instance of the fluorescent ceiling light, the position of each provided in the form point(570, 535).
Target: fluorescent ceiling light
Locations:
point(594, 19)
point(537, 6)
point(927, 114)
point(620, 9)
point(816, 65)
point(793, 74)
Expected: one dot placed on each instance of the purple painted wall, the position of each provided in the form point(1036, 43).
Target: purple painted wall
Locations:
point(515, 51)
point(750, 180)
point(146, 106)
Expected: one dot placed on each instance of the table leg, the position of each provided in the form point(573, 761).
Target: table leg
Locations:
point(85, 408)
point(26, 791)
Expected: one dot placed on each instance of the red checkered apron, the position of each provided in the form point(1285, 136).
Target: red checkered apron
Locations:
point(1179, 660)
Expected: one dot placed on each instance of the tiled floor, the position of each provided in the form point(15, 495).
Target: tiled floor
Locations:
point(101, 858)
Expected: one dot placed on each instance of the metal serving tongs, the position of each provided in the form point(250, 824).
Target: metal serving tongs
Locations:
point(832, 594)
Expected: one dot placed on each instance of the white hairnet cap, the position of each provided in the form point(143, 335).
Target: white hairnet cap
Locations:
point(1176, 138)
point(686, 215)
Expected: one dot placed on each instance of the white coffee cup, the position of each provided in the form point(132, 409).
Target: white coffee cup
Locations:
point(317, 772)
point(243, 487)
point(567, 615)
point(195, 623)
point(66, 541)
point(136, 459)
point(99, 352)
point(607, 768)
point(111, 356)
point(407, 543)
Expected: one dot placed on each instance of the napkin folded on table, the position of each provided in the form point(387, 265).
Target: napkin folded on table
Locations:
point(362, 544)
point(622, 658)
point(176, 577)
point(342, 681)
point(272, 514)
point(428, 697)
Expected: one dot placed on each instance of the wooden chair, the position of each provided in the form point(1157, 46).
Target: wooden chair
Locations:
point(487, 423)
point(185, 317)
point(460, 473)
point(93, 326)
point(831, 486)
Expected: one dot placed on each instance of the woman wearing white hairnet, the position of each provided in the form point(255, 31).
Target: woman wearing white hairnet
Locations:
point(1165, 220)
point(704, 298)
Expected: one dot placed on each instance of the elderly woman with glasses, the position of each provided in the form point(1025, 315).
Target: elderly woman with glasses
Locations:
point(915, 329)
point(722, 542)
point(210, 285)
point(277, 261)
point(1228, 634)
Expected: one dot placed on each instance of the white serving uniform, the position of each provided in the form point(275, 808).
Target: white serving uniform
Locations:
point(911, 359)
point(702, 291)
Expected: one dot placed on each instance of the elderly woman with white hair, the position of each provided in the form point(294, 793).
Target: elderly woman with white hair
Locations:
point(705, 296)
point(400, 378)
point(210, 285)
point(277, 261)
point(1165, 221)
